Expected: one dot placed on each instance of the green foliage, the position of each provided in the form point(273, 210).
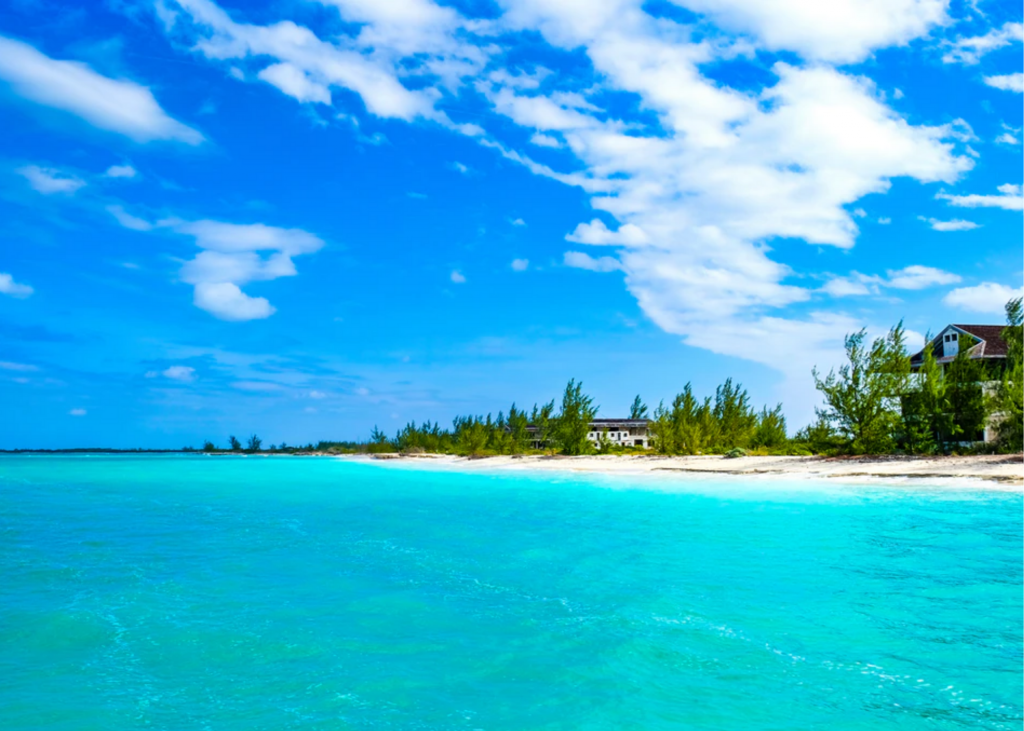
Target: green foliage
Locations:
point(967, 407)
point(691, 426)
point(236, 446)
point(209, 446)
point(862, 400)
point(639, 409)
point(379, 442)
point(1009, 397)
point(573, 422)
point(735, 452)
point(770, 431)
point(254, 444)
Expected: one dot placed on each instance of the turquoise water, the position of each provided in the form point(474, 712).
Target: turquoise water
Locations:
point(251, 593)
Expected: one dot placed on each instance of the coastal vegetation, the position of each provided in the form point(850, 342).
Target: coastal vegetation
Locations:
point(874, 403)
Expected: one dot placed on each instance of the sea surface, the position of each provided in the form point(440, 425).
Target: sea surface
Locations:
point(169, 592)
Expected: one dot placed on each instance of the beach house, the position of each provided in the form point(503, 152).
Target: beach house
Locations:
point(983, 342)
point(621, 432)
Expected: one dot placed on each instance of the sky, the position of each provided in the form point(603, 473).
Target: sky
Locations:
point(305, 218)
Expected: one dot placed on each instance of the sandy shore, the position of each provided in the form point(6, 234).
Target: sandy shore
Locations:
point(998, 471)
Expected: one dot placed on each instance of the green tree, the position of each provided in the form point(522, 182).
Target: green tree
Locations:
point(925, 408)
point(379, 441)
point(964, 379)
point(1009, 397)
point(542, 417)
point(770, 431)
point(639, 409)
point(734, 420)
point(209, 446)
point(573, 422)
point(862, 400)
point(517, 423)
point(254, 444)
point(236, 446)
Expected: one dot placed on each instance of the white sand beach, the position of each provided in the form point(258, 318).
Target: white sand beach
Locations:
point(996, 471)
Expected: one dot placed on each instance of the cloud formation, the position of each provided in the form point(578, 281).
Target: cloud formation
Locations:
point(1007, 82)
point(13, 289)
point(49, 181)
point(1011, 198)
point(232, 255)
point(971, 50)
point(989, 298)
point(117, 105)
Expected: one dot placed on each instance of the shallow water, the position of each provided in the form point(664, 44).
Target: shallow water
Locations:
point(275, 593)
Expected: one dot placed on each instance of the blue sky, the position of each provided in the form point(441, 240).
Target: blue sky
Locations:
point(305, 218)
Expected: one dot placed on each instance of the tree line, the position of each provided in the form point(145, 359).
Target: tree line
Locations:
point(874, 403)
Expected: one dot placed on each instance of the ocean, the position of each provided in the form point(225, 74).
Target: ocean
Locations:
point(192, 592)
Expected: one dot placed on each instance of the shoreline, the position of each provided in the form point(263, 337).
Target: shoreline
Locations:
point(997, 472)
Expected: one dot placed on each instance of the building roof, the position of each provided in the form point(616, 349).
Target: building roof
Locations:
point(989, 343)
point(624, 422)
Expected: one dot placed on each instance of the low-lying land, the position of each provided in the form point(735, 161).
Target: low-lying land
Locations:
point(1006, 470)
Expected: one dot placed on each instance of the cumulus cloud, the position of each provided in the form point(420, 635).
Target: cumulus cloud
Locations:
point(988, 297)
point(48, 180)
point(14, 289)
point(1007, 82)
point(839, 31)
point(518, 222)
point(520, 265)
point(957, 224)
point(580, 260)
point(77, 412)
point(1010, 197)
point(457, 277)
point(970, 50)
point(185, 374)
point(232, 255)
point(121, 171)
point(117, 105)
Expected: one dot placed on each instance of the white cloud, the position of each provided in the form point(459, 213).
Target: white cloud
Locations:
point(317, 395)
point(919, 277)
point(1010, 198)
point(884, 221)
point(77, 412)
point(121, 171)
point(520, 265)
point(543, 140)
point(295, 83)
point(911, 277)
point(457, 277)
point(970, 50)
point(117, 105)
point(128, 220)
point(957, 224)
point(226, 301)
point(837, 31)
point(185, 374)
point(987, 297)
point(1007, 138)
point(48, 180)
point(518, 222)
point(14, 289)
point(579, 260)
point(855, 285)
point(1007, 82)
point(7, 365)
point(460, 168)
point(232, 255)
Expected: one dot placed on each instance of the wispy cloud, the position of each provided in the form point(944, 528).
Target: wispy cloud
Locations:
point(970, 50)
point(49, 180)
point(117, 105)
point(957, 224)
point(1010, 197)
point(1007, 82)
